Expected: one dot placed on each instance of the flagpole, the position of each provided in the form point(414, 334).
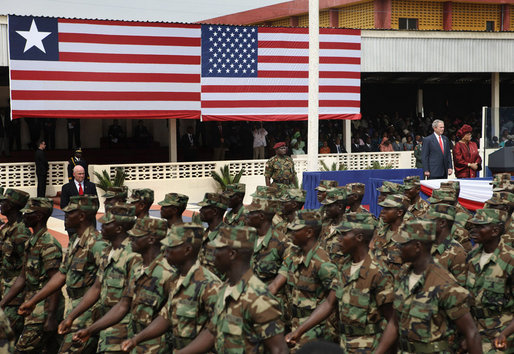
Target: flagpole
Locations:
point(313, 123)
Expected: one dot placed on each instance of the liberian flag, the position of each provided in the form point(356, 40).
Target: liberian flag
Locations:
point(68, 68)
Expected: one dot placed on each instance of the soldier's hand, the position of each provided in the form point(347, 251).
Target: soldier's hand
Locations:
point(500, 342)
point(128, 345)
point(65, 326)
point(26, 308)
point(50, 324)
point(81, 336)
point(292, 338)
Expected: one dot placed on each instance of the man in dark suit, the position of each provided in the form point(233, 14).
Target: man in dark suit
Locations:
point(78, 186)
point(436, 156)
point(189, 145)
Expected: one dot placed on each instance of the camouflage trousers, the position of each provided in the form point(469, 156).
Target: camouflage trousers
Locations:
point(34, 339)
point(15, 320)
point(319, 332)
point(81, 322)
point(361, 344)
point(159, 345)
point(110, 339)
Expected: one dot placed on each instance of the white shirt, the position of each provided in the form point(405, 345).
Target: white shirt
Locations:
point(79, 183)
point(259, 137)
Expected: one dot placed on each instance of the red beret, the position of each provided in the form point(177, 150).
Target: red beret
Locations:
point(464, 130)
point(278, 145)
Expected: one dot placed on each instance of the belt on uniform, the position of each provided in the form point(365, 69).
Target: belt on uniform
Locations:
point(300, 312)
point(418, 347)
point(369, 329)
point(76, 293)
point(480, 312)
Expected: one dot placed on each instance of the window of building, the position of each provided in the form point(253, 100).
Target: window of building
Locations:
point(408, 23)
point(489, 26)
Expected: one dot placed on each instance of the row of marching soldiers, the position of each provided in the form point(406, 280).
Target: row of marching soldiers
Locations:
point(423, 278)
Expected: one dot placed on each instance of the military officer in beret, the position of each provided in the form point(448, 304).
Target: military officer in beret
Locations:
point(280, 168)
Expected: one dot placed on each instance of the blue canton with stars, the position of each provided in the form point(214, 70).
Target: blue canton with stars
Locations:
point(229, 51)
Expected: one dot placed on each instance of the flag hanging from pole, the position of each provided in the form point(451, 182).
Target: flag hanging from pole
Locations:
point(69, 68)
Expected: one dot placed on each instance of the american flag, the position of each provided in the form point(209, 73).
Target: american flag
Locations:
point(70, 68)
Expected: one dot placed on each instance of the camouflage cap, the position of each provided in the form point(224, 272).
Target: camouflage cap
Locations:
point(113, 192)
point(390, 187)
point(501, 198)
point(87, 203)
point(395, 201)
point(265, 205)
point(359, 221)
point(119, 212)
point(235, 237)
point(325, 184)
point(174, 199)
point(142, 195)
point(442, 196)
point(234, 188)
point(187, 232)
point(268, 192)
point(502, 177)
point(305, 218)
point(451, 185)
point(503, 186)
point(416, 229)
point(38, 204)
point(441, 211)
point(149, 226)
point(294, 194)
point(410, 182)
point(355, 188)
point(334, 194)
point(15, 196)
point(214, 199)
point(489, 216)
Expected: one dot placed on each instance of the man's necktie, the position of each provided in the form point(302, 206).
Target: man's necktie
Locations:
point(81, 191)
point(441, 144)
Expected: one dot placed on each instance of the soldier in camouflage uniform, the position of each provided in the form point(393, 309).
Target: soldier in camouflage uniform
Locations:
point(446, 250)
point(324, 185)
point(246, 316)
point(411, 188)
point(428, 303)
point(78, 270)
point(235, 194)
point(382, 245)
point(114, 195)
point(460, 210)
point(213, 206)
point(6, 334)
point(42, 260)
point(147, 291)
point(459, 231)
point(504, 201)
point(112, 277)
point(501, 181)
point(364, 295)
point(308, 275)
point(172, 208)
point(354, 195)
point(388, 188)
point(491, 277)
point(142, 199)
point(291, 200)
point(13, 236)
point(191, 303)
point(334, 206)
point(280, 168)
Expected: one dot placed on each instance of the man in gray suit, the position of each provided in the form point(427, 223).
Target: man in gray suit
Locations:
point(436, 156)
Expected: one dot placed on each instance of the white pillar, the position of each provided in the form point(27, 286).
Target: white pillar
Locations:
point(313, 122)
point(347, 135)
point(420, 102)
point(173, 139)
point(495, 104)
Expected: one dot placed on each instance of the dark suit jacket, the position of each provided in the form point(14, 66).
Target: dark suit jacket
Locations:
point(41, 162)
point(70, 189)
point(433, 159)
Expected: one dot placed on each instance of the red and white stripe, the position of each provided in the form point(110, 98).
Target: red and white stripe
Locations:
point(473, 192)
point(113, 69)
point(280, 92)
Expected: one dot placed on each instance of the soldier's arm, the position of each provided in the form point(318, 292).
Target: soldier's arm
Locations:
point(155, 329)
point(55, 283)
point(321, 313)
point(277, 283)
point(89, 299)
point(201, 344)
point(390, 335)
point(17, 287)
point(50, 324)
point(500, 342)
point(468, 328)
point(276, 344)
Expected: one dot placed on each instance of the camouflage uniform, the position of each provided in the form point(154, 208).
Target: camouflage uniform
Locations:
point(113, 276)
point(148, 288)
point(43, 254)
point(6, 334)
point(426, 312)
point(420, 207)
point(323, 186)
point(417, 155)
point(145, 195)
point(206, 255)
point(80, 267)
point(359, 190)
point(231, 218)
point(191, 303)
point(247, 314)
point(360, 295)
point(114, 194)
point(449, 253)
point(13, 236)
point(281, 170)
point(492, 286)
point(499, 200)
point(463, 214)
point(310, 278)
point(382, 244)
point(328, 236)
